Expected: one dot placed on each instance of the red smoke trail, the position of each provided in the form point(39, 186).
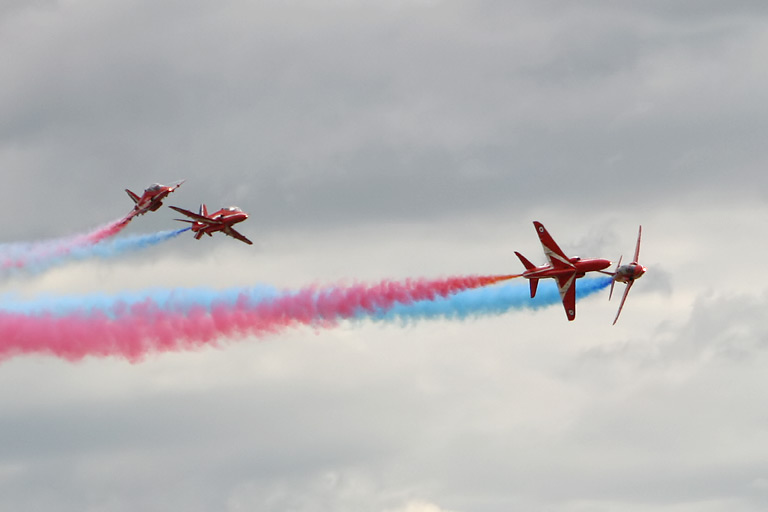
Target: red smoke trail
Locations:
point(132, 331)
point(107, 231)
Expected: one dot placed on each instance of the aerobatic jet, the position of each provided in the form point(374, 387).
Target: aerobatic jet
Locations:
point(204, 223)
point(561, 268)
point(627, 274)
point(151, 199)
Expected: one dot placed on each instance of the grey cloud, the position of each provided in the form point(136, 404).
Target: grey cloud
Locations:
point(380, 139)
point(441, 110)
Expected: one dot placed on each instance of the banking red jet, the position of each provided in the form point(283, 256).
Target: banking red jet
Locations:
point(627, 274)
point(151, 199)
point(204, 223)
point(561, 268)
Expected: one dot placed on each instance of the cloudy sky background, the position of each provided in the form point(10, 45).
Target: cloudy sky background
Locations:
point(374, 140)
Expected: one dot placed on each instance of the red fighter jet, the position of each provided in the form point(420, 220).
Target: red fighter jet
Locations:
point(561, 268)
point(151, 199)
point(204, 223)
point(627, 274)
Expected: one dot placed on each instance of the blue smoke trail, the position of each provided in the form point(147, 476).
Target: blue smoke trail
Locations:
point(172, 300)
point(118, 246)
point(491, 300)
point(16, 254)
point(36, 263)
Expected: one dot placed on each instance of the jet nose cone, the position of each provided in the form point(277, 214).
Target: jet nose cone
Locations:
point(640, 270)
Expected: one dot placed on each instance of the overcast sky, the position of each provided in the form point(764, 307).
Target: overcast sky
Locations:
point(373, 140)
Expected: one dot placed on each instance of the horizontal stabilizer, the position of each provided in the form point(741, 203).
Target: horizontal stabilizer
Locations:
point(132, 196)
point(195, 216)
point(534, 285)
point(618, 265)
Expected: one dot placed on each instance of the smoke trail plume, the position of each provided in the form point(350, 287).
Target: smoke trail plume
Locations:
point(20, 255)
point(133, 328)
point(37, 261)
point(133, 325)
point(496, 300)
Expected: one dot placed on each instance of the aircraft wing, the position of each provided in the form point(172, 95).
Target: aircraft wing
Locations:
point(236, 234)
point(556, 256)
point(566, 285)
point(623, 298)
point(637, 247)
point(195, 216)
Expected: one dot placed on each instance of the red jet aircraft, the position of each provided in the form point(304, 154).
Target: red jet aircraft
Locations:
point(151, 199)
point(204, 223)
point(561, 268)
point(627, 274)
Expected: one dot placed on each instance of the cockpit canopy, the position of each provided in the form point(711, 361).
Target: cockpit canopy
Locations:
point(233, 209)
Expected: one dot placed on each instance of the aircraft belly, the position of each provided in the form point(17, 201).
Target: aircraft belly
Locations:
point(549, 272)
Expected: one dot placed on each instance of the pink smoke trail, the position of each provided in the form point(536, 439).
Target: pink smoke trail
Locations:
point(135, 330)
point(18, 255)
point(111, 229)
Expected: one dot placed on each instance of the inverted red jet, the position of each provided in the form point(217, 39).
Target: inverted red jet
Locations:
point(561, 268)
point(627, 274)
point(204, 223)
point(151, 199)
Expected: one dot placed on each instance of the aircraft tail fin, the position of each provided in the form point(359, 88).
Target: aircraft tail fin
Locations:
point(527, 264)
point(203, 210)
point(534, 282)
